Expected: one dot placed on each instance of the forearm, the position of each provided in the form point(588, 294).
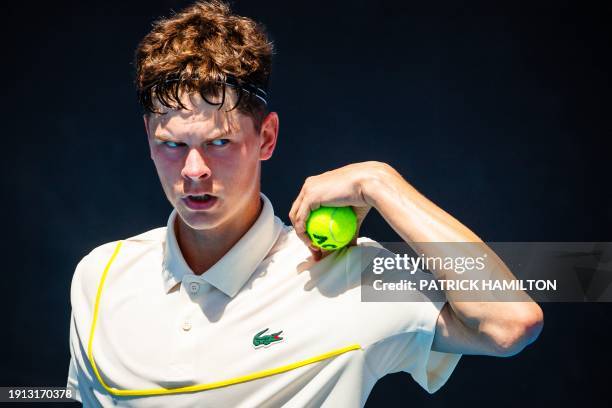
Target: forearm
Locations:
point(419, 222)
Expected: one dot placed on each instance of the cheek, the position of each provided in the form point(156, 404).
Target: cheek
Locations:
point(246, 154)
point(236, 160)
point(167, 173)
point(167, 161)
point(243, 166)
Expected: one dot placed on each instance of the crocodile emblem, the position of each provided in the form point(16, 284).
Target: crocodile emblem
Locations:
point(261, 339)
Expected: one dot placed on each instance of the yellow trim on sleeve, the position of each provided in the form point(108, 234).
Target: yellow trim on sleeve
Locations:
point(199, 387)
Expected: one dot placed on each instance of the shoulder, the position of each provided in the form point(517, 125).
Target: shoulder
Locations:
point(129, 246)
point(363, 243)
point(287, 240)
point(360, 256)
point(341, 269)
point(89, 270)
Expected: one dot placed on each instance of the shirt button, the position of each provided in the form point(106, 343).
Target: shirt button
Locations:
point(194, 287)
point(186, 326)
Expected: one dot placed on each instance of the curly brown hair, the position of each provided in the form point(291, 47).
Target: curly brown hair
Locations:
point(204, 48)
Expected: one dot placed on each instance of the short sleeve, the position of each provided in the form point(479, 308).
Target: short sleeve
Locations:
point(408, 346)
point(430, 369)
point(410, 351)
point(79, 382)
point(73, 383)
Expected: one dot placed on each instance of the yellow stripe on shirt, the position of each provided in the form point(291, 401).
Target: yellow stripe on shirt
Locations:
point(199, 387)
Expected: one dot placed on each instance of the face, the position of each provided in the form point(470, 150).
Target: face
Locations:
point(206, 151)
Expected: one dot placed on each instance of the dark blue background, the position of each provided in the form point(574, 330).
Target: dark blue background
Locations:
point(498, 113)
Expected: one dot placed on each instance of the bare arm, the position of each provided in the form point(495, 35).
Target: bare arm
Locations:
point(491, 328)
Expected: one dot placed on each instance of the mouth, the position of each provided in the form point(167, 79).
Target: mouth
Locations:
point(200, 202)
point(200, 198)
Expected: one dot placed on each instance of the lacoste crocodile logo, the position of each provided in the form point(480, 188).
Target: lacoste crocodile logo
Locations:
point(261, 339)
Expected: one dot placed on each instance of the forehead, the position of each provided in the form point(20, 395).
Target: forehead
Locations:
point(199, 116)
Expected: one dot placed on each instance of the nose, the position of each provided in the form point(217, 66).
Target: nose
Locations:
point(195, 167)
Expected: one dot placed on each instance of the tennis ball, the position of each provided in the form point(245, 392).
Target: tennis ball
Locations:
point(331, 228)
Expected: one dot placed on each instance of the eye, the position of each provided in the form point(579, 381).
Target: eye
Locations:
point(171, 144)
point(220, 142)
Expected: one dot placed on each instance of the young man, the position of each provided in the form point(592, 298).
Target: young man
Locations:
point(228, 306)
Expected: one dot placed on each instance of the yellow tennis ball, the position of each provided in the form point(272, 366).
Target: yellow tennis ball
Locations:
point(331, 228)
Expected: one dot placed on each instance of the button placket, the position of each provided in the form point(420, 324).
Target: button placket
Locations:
point(183, 365)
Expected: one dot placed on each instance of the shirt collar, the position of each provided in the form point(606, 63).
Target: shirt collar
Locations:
point(232, 271)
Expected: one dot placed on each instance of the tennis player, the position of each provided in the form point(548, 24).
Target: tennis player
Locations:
point(226, 306)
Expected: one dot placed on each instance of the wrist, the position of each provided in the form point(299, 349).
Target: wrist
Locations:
point(380, 181)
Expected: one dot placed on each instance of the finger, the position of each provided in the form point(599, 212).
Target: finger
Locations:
point(296, 205)
point(297, 226)
point(302, 214)
point(316, 255)
point(324, 253)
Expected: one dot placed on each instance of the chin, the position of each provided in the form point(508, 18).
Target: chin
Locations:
point(199, 220)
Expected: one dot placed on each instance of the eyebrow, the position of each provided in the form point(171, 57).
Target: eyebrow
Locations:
point(168, 138)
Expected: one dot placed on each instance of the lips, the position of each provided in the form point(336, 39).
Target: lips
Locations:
point(198, 194)
point(200, 202)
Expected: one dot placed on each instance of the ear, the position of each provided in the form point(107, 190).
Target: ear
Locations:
point(268, 135)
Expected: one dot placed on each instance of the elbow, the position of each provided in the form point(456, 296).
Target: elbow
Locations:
point(524, 329)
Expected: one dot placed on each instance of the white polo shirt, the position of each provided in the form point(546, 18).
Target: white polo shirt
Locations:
point(264, 326)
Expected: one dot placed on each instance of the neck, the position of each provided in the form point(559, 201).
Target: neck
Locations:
point(202, 249)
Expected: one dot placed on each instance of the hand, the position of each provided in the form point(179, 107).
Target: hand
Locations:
point(336, 188)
